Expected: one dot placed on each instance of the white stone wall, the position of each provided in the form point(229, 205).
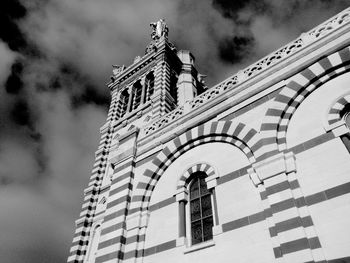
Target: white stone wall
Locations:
point(310, 119)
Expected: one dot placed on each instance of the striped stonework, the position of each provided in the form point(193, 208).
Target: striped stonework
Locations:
point(298, 210)
point(236, 134)
point(334, 113)
point(84, 223)
point(112, 241)
point(291, 228)
point(298, 87)
point(201, 167)
point(162, 80)
point(113, 109)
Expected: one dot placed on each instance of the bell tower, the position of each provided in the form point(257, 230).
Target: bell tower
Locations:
point(148, 86)
point(153, 86)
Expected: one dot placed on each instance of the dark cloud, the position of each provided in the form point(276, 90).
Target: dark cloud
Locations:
point(234, 49)
point(91, 95)
point(232, 9)
point(11, 11)
point(266, 25)
point(55, 58)
point(20, 113)
point(14, 82)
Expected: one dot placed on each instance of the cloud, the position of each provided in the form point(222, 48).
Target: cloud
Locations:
point(11, 11)
point(7, 58)
point(56, 56)
point(32, 231)
point(94, 35)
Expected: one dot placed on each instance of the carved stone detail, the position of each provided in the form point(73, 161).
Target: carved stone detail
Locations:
point(118, 69)
point(159, 29)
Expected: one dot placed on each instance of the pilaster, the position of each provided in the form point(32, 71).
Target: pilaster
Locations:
point(290, 225)
point(113, 234)
point(186, 84)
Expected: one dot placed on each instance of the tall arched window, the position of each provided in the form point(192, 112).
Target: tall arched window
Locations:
point(137, 91)
point(173, 88)
point(149, 86)
point(123, 103)
point(201, 212)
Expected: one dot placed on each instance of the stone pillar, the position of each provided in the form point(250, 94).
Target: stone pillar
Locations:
point(182, 199)
point(136, 225)
point(290, 225)
point(182, 218)
point(186, 84)
point(113, 234)
point(143, 94)
point(130, 101)
point(212, 182)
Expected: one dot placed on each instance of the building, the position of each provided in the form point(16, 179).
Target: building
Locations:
point(254, 169)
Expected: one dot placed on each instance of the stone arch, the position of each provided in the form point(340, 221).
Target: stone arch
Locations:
point(199, 167)
point(334, 112)
point(237, 134)
point(275, 124)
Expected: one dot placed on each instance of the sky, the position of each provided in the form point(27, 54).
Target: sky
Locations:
point(55, 59)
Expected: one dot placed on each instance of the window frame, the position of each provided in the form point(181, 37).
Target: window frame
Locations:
point(182, 197)
point(196, 178)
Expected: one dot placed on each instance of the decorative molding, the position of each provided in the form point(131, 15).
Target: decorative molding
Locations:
point(304, 40)
point(333, 117)
point(272, 166)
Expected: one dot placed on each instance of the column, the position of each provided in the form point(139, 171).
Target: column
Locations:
point(143, 94)
point(212, 182)
point(136, 225)
point(113, 233)
point(182, 199)
point(129, 109)
point(290, 225)
point(182, 218)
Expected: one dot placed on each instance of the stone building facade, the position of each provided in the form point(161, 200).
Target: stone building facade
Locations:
point(254, 169)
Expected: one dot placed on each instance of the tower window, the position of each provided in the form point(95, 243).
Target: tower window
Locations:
point(123, 103)
point(173, 88)
point(149, 85)
point(201, 212)
point(137, 91)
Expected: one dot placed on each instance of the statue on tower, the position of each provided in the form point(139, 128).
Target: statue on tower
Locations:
point(159, 29)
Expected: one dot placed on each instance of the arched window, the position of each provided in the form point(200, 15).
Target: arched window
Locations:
point(123, 103)
point(173, 88)
point(198, 214)
point(137, 91)
point(149, 86)
point(201, 212)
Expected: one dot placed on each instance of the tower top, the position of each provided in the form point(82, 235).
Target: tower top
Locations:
point(159, 34)
point(159, 30)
